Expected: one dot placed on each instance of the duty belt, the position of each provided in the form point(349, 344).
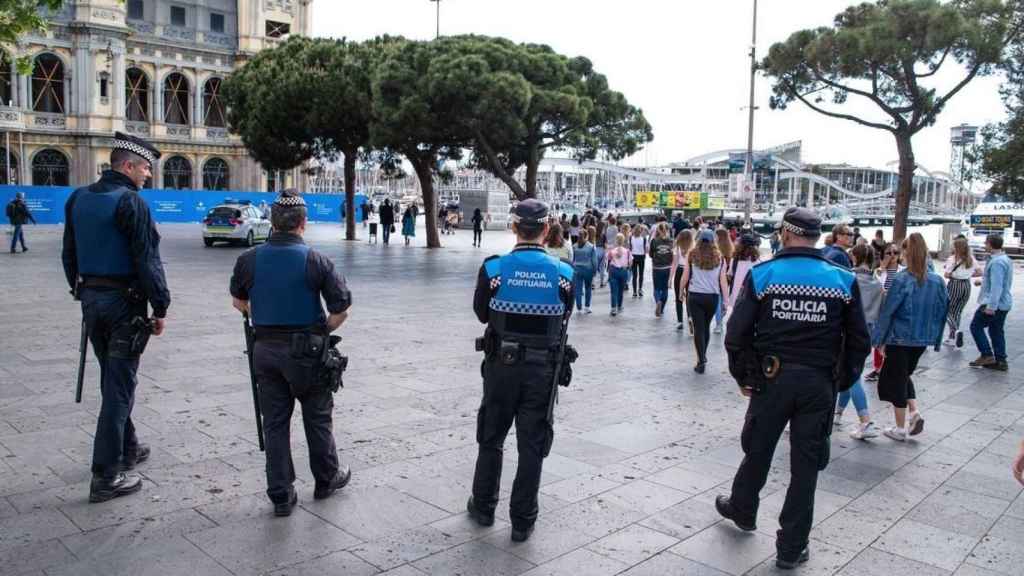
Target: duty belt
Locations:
point(514, 352)
point(105, 282)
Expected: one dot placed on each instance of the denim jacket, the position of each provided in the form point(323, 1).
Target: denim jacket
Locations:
point(912, 314)
point(997, 284)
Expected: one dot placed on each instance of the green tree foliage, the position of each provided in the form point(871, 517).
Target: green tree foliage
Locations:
point(519, 101)
point(885, 53)
point(307, 98)
point(18, 17)
point(1001, 152)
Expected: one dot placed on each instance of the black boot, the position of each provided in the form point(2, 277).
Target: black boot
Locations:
point(102, 489)
point(724, 507)
point(340, 480)
point(478, 515)
point(521, 534)
point(785, 564)
point(133, 459)
point(285, 508)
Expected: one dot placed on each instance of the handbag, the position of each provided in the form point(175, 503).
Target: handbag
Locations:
point(392, 228)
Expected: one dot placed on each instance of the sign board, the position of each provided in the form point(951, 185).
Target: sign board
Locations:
point(716, 202)
point(992, 220)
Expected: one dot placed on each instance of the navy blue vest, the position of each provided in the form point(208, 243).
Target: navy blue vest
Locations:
point(102, 249)
point(281, 294)
point(528, 306)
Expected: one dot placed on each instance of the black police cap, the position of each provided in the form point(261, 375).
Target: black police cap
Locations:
point(136, 146)
point(289, 197)
point(530, 211)
point(802, 222)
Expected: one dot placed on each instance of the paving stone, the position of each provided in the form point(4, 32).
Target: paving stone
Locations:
point(551, 538)
point(335, 564)
point(633, 544)
point(969, 513)
point(404, 547)
point(578, 562)
point(643, 496)
point(669, 563)
point(825, 561)
point(685, 480)
point(33, 527)
point(969, 570)
point(998, 555)
point(374, 513)
point(137, 533)
point(851, 530)
point(578, 488)
point(475, 558)
point(173, 557)
point(1010, 529)
point(927, 544)
point(36, 556)
point(684, 519)
point(874, 562)
point(726, 548)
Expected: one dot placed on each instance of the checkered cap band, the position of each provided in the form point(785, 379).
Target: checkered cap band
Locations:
point(793, 228)
point(801, 290)
point(135, 149)
point(525, 308)
point(290, 201)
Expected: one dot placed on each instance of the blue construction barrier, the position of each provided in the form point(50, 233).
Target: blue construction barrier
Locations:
point(47, 203)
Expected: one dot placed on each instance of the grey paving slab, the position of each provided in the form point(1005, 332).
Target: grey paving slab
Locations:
point(825, 560)
point(172, 557)
point(633, 544)
point(874, 562)
point(927, 544)
point(967, 512)
point(684, 519)
point(133, 534)
point(335, 564)
point(645, 497)
point(33, 527)
point(35, 557)
point(374, 513)
point(577, 562)
point(998, 555)
point(475, 558)
point(726, 548)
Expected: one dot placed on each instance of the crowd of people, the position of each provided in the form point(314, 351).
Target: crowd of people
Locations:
point(909, 305)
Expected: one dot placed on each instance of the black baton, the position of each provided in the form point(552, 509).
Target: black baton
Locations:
point(83, 344)
point(249, 339)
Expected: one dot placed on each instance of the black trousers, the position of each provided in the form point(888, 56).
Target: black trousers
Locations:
point(638, 272)
point(277, 375)
point(519, 393)
point(702, 309)
point(478, 236)
point(108, 314)
point(680, 303)
point(803, 397)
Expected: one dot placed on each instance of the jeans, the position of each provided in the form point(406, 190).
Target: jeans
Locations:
point(661, 284)
point(617, 280)
point(19, 234)
point(602, 265)
point(860, 399)
point(994, 324)
point(386, 232)
point(583, 284)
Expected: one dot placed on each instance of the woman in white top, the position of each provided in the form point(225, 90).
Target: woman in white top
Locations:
point(556, 245)
point(638, 247)
point(705, 283)
point(684, 242)
point(743, 260)
point(960, 268)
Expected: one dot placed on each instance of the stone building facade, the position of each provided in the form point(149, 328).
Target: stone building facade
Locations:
point(148, 67)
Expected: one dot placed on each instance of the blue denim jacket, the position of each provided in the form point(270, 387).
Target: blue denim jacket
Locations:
point(912, 314)
point(997, 285)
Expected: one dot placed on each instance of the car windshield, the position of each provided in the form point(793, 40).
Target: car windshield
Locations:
point(224, 212)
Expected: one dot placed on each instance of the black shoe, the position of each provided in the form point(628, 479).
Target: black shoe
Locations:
point(285, 508)
point(342, 477)
point(999, 365)
point(724, 507)
point(476, 514)
point(699, 368)
point(131, 460)
point(959, 339)
point(102, 489)
point(521, 535)
point(791, 564)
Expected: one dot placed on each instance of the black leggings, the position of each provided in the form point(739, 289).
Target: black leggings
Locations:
point(638, 273)
point(680, 303)
point(478, 236)
point(702, 310)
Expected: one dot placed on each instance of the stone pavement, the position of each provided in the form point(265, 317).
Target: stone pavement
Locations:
point(642, 444)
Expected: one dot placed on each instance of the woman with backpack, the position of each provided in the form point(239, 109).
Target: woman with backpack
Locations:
point(661, 266)
point(743, 260)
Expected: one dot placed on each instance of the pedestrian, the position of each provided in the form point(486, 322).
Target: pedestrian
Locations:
point(574, 229)
point(610, 232)
point(842, 240)
point(743, 260)
point(556, 245)
point(525, 323)
point(911, 319)
point(387, 220)
point(871, 301)
point(638, 246)
point(680, 263)
point(856, 236)
point(726, 249)
point(775, 242)
point(619, 260)
point(960, 268)
point(409, 224)
point(442, 218)
point(994, 303)
point(661, 266)
point(704, 283)
point(18, 214)
point(798, 317)
point(600, 245)
point(478, 227)
point(886, 272)
point(584, 262)
point(111, 258)
point(1018, 465)
point(279, 285)
point(364, 212)
point(678, 225)
point(878, 244)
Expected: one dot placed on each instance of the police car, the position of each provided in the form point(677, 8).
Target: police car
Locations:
point(235, 222)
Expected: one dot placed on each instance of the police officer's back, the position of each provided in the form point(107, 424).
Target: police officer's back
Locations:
point(524, 298)
point(111, 260)
point(796, 336)
point(280, 284)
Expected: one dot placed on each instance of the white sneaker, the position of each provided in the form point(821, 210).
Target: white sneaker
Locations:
point(837, 421)
point(587, 310)
point(864, 431)
point(897, 434)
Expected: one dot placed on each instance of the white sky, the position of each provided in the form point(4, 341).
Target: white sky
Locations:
point(684, 62)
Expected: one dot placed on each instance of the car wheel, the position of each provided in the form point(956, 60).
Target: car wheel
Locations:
point(250, 240)
point(208, 242)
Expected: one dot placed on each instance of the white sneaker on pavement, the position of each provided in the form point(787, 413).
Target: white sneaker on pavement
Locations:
point(864, 431)
point(837, 421)
point(897, 434)
point(587, 310)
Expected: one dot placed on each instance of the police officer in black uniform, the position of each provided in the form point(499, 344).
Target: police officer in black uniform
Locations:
point(280, 285)
point(524, 297)
point(796, 337)
point(111, 259)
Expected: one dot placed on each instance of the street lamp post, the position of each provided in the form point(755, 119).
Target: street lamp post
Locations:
point(748, 172)
point(437, 33)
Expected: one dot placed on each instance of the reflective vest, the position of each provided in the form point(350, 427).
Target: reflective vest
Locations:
point(528, 306)
point(103, 250)
point(281, 294)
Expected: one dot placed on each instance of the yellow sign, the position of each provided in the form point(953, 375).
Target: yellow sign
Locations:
point(716, 202)
point(648, 199)
point(693, 200)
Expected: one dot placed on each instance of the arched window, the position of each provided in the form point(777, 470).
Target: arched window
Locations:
point(48, 84)
point(176, 99)
point(177, 173)
point(213, 105)
point(6, 87)
point(50, 168)
point(216, 174)
point(8, 176)
point(136, 96)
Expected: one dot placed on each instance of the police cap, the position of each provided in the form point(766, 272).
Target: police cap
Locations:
point(136, 146)
point(530, 211)
point(289, 198)
point(802, 222)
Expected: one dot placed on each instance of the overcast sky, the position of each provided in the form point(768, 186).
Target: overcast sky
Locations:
point(684, 62)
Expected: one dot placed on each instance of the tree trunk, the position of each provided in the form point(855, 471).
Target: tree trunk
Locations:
point(422, 166)
point(532, 165)
point(350, 194)
point(905, 188)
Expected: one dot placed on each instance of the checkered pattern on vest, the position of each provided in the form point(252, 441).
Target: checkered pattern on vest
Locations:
point(523, 308)
point(801, 290)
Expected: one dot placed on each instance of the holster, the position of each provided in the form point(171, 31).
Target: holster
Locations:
point(322, 364)
point(128, 341)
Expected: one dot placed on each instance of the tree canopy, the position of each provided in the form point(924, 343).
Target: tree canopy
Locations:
point(887, 53)
point(18, 17)
point(1001, 153)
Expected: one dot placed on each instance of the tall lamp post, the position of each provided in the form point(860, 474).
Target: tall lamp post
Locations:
point(748, 172)
point(437, 34)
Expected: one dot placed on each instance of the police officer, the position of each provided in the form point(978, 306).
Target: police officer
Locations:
point(796, 336)
point(524, 298)
point(280, 285)
point(111, 258)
